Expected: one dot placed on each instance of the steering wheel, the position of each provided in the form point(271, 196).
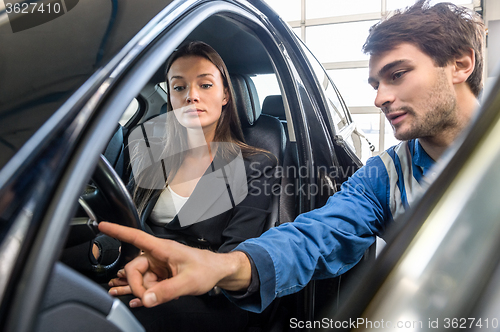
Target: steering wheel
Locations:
point(109, 200)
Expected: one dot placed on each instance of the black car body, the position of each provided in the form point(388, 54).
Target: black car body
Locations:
point(66, 83)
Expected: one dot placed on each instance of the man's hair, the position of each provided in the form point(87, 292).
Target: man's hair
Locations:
point(444, 32)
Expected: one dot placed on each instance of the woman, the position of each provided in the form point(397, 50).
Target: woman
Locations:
point(204, 199)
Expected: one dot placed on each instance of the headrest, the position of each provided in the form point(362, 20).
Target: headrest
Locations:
point(273, 105)
point(247, 100)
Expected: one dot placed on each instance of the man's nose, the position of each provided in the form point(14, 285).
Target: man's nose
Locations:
point(385, 97)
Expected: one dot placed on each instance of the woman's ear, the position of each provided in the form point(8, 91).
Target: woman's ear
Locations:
point(463, 67)
point(225, 99)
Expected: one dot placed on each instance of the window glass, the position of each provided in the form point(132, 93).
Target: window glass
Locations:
point(266, 85)
point(329, 8)
point(389, 139)
point(297, 31)
point(369, 124)
point(289, 10)
point(336, 108)
point(353, 86)
point(344, 42)
point(397, 4)
point(132, 108)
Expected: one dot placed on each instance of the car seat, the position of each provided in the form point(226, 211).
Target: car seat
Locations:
point(260, 130)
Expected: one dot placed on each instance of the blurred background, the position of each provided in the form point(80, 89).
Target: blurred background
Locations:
point(335, 31)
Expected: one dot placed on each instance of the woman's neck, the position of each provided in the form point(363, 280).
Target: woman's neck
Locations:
point(197, 139)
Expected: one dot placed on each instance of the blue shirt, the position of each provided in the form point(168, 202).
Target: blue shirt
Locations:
point(328, 241)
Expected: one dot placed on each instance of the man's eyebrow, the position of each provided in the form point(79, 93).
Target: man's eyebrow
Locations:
point(385, 69)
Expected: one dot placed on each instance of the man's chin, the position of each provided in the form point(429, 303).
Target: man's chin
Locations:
point(404, 136)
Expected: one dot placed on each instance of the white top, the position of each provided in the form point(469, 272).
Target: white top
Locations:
point(168, 206)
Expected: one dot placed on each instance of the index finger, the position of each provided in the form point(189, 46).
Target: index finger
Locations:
point(136, 237)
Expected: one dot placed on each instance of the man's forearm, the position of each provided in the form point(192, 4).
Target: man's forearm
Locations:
point(237, 271)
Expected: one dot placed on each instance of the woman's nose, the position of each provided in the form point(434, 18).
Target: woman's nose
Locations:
point(192, 95)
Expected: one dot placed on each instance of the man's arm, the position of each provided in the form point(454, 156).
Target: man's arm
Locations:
point(179, 269)
point(322, 243)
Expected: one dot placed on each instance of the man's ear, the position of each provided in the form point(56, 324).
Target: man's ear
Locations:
point(463, 66)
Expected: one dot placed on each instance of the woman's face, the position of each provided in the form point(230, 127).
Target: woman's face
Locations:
point(197, 92)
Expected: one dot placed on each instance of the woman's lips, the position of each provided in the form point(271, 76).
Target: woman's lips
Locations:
point(194, 111)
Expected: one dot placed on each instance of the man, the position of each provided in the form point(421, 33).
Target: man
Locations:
point(426, 65)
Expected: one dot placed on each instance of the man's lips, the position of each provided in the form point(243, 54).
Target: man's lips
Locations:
point(396, 117)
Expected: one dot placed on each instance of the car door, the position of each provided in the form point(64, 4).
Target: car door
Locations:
point(41, 183)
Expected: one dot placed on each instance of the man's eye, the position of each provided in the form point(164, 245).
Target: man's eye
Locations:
point(398, 75)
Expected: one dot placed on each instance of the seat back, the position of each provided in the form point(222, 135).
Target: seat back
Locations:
point(289, 205)
point(273, 106)
point(260, 130)
point(114, 152)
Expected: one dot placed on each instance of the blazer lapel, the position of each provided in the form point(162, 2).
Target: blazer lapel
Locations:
point(210, 194)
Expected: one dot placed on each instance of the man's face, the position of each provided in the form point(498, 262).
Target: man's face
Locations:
point(416, 96)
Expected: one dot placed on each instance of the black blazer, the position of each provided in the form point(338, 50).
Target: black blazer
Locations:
point(222, 232)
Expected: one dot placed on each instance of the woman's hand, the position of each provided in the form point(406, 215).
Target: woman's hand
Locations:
point(120, 286)
point(167, 270)
point(95, 251)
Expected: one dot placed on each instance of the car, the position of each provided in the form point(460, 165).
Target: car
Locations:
point(79, 77)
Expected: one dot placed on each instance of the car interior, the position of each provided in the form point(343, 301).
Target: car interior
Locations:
point(266, 124)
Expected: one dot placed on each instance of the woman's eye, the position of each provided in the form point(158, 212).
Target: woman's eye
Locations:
point(206, 86)
point(178, 88)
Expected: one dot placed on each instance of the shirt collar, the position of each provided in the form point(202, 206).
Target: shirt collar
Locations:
point(420, 157)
